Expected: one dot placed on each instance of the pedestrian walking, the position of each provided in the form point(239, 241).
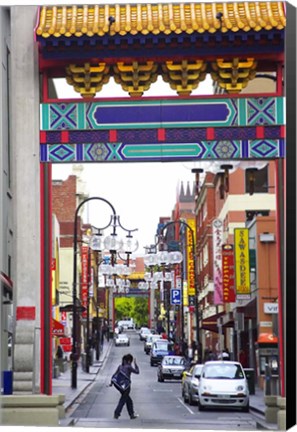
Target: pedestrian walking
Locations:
point(59, 352)
point(225, 354)
point(121, 379)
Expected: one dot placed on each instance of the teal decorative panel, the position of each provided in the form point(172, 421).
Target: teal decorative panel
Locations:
point(202, 150)
point(159, 113)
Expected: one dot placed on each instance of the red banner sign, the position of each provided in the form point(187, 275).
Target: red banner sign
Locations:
point(84, 278)
point(65, 341)
point(58, 328)
point(228, 273)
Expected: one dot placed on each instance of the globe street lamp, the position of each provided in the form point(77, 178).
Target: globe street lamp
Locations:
point(113, 244)
point(164, 258)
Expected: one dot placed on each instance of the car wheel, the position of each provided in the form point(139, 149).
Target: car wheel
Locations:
point(246, 408)
point(201, 407)
point(190, 399)
point(185, 397)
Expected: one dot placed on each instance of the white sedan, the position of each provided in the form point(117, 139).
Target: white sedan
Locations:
point(223, 384)
point(121, 340)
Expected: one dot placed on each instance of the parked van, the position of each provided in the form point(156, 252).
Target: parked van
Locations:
point(126, 324)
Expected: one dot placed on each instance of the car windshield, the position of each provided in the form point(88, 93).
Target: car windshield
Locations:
point(163, 345)
point(173, 361)
point(197, 370)
point(223, 371)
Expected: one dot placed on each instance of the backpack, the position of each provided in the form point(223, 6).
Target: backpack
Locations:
point(120, 380)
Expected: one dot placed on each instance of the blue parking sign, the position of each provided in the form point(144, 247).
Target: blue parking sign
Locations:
point(175, 296)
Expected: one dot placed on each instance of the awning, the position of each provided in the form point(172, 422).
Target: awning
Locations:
point(210, 323)
point(7, 284)
point(228, 320)
point(69, 308)
point(267, 338)
point(249, 309)
point(58, 328)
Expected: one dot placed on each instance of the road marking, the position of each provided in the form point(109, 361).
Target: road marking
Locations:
point(189, 409)
point(162, 390)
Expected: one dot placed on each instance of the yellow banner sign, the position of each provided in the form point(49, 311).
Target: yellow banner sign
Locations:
point(190, 258)
point(242, 263)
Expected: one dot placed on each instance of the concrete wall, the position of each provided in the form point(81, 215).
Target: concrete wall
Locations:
point(6, 228)
point(26, 194)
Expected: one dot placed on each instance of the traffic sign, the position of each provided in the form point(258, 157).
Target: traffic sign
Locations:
point(175, 296)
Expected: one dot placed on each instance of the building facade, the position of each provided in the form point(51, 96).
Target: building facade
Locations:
point(236, 324)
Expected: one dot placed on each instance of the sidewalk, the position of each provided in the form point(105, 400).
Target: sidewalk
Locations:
point(62, 385)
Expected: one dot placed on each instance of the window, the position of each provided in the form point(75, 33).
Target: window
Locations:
point(251, 214)
point(204, 211)
point(260, 182)
point(205, 255)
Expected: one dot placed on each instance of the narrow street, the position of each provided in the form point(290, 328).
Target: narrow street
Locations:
point(159, 405)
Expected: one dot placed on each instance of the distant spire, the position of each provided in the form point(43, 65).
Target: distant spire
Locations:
point(182, 191)
point(187, 196)
point(188, 193)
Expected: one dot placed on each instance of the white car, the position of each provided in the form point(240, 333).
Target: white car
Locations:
point(151, 338)
point(223, 384)
point(144, 332)
point(121, 340)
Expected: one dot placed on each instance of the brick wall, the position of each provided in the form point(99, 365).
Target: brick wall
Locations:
point(64, 199)
point(64, 206)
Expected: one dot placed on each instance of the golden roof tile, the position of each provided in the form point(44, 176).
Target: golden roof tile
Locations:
point(133, 19)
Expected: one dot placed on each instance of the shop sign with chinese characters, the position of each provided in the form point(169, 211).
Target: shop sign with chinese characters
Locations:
point(217, 237)
point(242, 263)
point(84, 277)
point(190, 258)
point(228, 273)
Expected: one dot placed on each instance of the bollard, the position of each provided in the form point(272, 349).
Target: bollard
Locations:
point(7, 382)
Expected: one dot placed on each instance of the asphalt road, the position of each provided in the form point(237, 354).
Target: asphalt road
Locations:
point(159, 405)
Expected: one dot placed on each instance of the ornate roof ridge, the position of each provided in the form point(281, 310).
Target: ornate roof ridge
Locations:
point(156, 18)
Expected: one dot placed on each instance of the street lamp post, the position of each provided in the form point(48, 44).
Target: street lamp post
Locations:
point(113, 245)
point(163, 258)
point(74, 353)
point(183, 223)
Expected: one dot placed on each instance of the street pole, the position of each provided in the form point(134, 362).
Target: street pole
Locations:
point(181, 222)
point(88, 313)
point(97, 332)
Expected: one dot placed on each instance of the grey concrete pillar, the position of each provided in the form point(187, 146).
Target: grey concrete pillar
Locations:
point(281, 415)
point(24, 135)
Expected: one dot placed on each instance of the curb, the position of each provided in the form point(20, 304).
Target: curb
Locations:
point(68, 405)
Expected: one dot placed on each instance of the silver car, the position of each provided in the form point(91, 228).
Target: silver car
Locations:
point(151, 338)
point(121, 340)
point(223, 384)
point(190, 383)
point(171, 367)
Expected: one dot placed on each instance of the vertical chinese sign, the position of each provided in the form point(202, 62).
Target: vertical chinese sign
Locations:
point(228, 273)
point(190, 258)
point(217, 238)
point(242, 263)
point(84, 278)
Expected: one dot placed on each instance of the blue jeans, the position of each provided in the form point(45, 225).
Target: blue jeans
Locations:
point(125, 399)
